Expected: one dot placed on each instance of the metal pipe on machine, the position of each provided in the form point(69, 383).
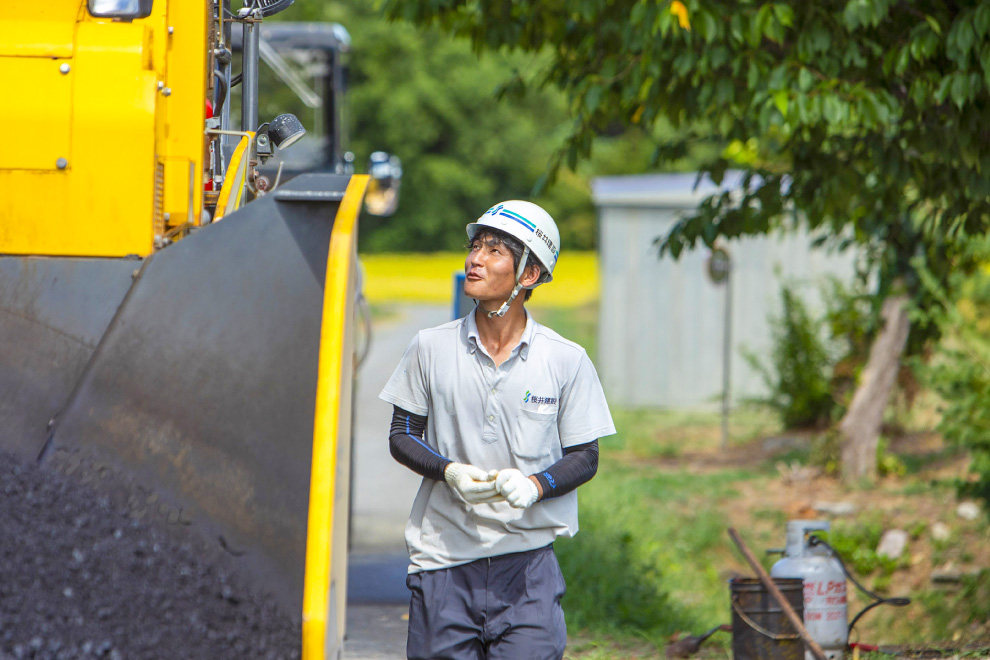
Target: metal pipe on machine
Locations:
point(249, 71)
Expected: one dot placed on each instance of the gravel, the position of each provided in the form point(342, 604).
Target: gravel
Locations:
point(80, 578)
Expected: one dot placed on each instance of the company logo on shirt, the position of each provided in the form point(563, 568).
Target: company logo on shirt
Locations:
point(539, 400)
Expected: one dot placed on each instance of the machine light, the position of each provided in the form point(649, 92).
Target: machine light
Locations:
point(285, 130)
point(382, 196)
point(120, 9)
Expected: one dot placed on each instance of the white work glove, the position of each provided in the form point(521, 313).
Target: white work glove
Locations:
point(518, 489)
point(473, 484)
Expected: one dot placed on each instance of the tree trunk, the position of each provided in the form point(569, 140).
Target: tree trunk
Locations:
point(860, 428)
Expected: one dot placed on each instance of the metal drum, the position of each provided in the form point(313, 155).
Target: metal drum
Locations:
point(760, 629)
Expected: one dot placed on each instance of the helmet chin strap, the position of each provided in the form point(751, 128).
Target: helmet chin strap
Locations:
point(515, 290)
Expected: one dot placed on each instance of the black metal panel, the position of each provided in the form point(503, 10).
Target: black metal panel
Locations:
point(203, 390)
point(53, 312)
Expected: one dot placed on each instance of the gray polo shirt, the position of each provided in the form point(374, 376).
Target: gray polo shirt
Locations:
point(544, 397)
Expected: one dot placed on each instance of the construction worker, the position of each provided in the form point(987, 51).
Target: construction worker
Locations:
point(501, 416)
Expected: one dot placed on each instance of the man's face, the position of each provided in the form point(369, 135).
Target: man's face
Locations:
point(489, 270)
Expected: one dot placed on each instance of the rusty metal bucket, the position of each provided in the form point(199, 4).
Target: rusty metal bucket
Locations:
point(760, 629)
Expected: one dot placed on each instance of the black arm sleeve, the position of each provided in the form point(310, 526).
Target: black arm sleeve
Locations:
point(405, 443)
point(578, 465)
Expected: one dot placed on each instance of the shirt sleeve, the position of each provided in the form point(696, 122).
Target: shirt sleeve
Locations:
point(407, 387)
point(583, 414)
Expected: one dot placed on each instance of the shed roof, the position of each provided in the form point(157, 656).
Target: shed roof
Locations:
point(660, 190)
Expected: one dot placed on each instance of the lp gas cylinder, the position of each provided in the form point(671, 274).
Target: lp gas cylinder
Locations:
point(825, 614)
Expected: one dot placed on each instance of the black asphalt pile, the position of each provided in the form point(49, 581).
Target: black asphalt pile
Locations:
point(79, 578)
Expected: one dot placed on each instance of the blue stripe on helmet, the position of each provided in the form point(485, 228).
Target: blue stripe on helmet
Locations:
point(518, 218)
point(524, 224)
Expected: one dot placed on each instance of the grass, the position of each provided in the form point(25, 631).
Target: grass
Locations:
point(653, 556)
point(649, 559)
point(576, 323)
point(671, 433)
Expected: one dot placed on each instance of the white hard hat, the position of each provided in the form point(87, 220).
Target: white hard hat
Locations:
point(529, 223)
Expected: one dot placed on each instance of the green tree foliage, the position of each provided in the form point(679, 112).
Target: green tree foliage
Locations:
point(866, 115)
point(428, 99)
point(433, 101)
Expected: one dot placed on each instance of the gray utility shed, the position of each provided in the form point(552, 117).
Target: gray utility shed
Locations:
point(661, 322)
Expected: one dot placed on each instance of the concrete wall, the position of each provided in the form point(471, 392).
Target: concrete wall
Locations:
point(661, 324)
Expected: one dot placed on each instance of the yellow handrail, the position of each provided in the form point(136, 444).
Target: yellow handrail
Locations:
point(233, 187)
point(333, 377)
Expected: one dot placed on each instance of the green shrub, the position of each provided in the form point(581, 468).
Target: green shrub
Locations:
point(888, 463)
point(964, 384)
point(815, 361)
point(800, 366)
point(856, 545)
point(851, 315)
point(960, 370)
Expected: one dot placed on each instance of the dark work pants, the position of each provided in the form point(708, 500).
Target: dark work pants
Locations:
point(501, 607)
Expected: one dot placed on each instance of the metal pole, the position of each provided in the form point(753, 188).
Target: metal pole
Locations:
point(249, 95)
point(224, 143)
point(726, 357)
point(249, 80)
point(334, 110)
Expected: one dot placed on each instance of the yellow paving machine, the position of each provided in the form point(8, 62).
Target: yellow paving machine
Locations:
point(176, 324)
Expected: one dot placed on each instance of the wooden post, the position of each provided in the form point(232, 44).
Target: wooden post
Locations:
point(768, 582)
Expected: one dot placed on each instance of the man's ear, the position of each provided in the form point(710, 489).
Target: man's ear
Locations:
point(530, 276)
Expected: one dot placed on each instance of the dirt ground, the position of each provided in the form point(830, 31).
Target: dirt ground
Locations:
point(79, 578)
point(907, 502)
point(895, 502)
point(793, 491)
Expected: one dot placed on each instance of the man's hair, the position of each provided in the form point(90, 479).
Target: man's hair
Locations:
point(491, 237)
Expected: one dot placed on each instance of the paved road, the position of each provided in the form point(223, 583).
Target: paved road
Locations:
point(382, 495)
point(383, 489)
point(375, 632)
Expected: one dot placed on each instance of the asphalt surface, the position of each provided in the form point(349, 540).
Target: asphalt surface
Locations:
point(80, 577)
point(375, 632)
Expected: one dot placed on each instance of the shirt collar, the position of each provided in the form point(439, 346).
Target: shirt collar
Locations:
point(527, 336)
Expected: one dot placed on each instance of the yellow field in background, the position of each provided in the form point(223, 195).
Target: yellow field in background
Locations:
point(429, 278)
